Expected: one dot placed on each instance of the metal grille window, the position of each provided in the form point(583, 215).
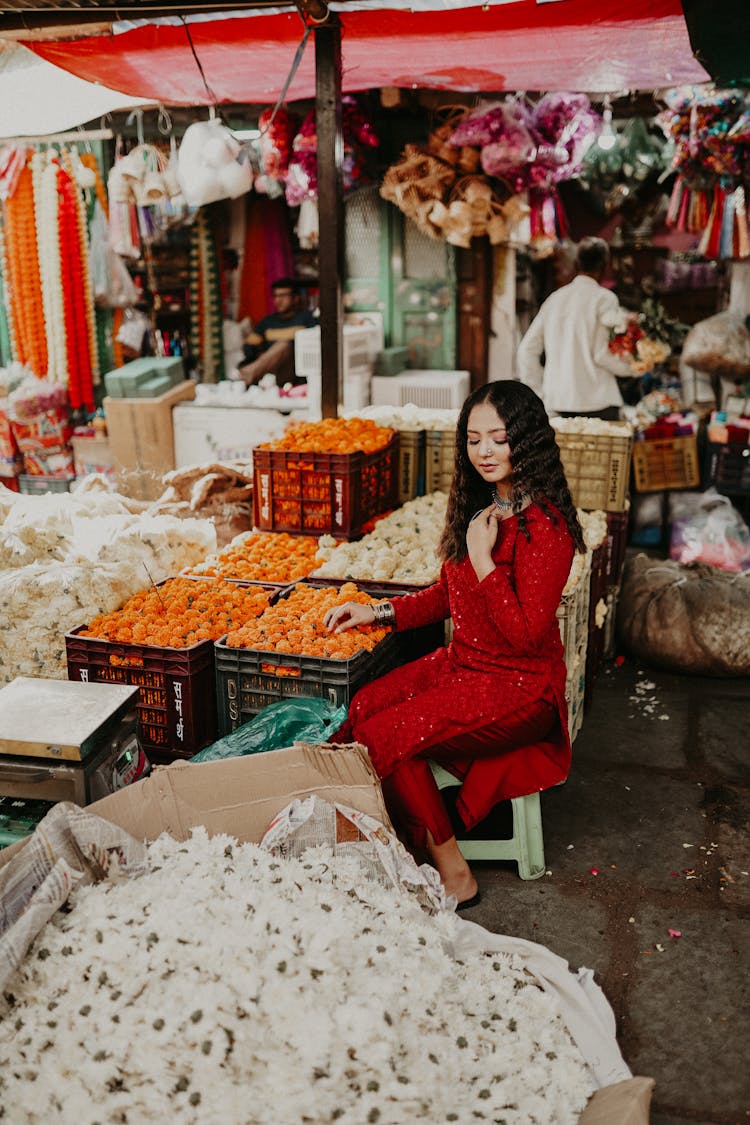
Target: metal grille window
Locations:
point(424, 257)
point(362, 233)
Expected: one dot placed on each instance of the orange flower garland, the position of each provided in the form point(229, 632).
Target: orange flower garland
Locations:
point(266, 557)
point(179, 613)
point(295, 625)
point(23, 275)
point(333, 435)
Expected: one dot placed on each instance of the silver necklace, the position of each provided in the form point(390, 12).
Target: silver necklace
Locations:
point(501, 503)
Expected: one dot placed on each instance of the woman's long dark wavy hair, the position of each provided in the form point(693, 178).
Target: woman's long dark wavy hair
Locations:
point(535, 460)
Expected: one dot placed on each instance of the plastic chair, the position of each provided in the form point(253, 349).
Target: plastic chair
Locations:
point(525, 847)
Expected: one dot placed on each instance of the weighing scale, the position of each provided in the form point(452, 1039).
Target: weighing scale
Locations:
point(61, 740)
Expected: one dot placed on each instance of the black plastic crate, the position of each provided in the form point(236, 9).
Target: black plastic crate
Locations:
point(728, 467)
point(617, 541)
point(247, 680)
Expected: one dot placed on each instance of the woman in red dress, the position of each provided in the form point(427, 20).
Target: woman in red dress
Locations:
point(490, 707)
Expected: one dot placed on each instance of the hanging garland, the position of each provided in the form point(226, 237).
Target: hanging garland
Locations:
point(23, 275)
point(710, 133)
point(80, 385)
point(4, 266)
point(86, 284)
point(46, 201)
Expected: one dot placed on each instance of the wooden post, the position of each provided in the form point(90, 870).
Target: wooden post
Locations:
point(330, 209)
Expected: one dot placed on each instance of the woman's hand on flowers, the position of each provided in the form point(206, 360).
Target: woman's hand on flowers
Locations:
point(348, 616)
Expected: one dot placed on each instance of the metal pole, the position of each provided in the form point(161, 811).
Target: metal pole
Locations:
point(330, 209)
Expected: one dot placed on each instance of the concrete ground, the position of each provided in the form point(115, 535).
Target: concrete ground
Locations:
point(647, 836)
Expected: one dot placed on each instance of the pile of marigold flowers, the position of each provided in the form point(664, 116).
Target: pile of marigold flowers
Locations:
point(179, 613)
point(295, 625)
point(264, 557)
point(333, 435)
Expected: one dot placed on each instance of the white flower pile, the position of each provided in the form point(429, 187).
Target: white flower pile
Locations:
point(402, 547)
point(408, 417)
point(587, 426)
point(66, 558)
point(594, 526)
point(226, 985)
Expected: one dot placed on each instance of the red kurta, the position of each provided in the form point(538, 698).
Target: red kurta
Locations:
point(506, 657)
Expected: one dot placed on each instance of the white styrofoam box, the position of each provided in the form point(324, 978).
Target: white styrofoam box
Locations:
point(359, 344)
point(225, 433)
point(432, 389)
point(374, 320)
point(356, 393)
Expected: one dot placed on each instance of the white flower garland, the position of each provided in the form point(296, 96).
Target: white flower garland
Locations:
point(50, 270)
point(227, 985)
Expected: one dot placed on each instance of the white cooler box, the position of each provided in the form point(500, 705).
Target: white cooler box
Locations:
point(226, 433)
point(435, 390)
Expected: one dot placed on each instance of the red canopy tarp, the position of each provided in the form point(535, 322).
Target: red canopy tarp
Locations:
point(578, 45)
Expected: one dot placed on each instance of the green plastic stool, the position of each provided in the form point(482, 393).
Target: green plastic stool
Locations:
point(525, 847)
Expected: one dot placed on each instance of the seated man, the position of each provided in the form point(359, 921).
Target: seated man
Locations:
point(270, 345)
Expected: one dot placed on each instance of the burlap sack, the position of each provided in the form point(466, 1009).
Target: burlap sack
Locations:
point(687, 618)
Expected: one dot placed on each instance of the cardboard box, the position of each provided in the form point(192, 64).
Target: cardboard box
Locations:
point(141, 439)
point(92, 455)
point(241, 796)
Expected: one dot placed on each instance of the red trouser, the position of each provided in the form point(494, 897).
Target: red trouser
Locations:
point(409, 788)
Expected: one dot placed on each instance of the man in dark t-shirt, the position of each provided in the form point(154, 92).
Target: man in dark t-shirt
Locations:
point(270, 344)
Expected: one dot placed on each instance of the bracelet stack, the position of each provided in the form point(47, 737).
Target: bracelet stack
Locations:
point(384, 613)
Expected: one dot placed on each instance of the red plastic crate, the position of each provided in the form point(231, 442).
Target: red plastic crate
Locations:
point(177, 714)
point(177, 699)
point(323, 493)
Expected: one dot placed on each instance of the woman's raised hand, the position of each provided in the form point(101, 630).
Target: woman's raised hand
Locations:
point(348, 616)
point(481, 534)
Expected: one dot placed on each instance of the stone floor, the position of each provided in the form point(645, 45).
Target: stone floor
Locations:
point(647, 836)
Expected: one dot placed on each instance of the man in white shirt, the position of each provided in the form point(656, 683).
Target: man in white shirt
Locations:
point(571, 330)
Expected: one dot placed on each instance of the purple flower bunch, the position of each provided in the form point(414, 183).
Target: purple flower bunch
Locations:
point(531, 145)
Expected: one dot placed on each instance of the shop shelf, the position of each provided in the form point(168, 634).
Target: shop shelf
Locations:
point(597, 467)
point(666, 463)
point(323, 493)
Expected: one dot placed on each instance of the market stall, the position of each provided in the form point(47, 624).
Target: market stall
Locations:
point(217, 627)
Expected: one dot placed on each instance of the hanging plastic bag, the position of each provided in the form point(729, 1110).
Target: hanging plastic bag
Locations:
point(111, 283)
point(278, 725)
point(208, 168)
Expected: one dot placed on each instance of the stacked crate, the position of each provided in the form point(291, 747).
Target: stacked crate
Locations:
point(596, 457)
